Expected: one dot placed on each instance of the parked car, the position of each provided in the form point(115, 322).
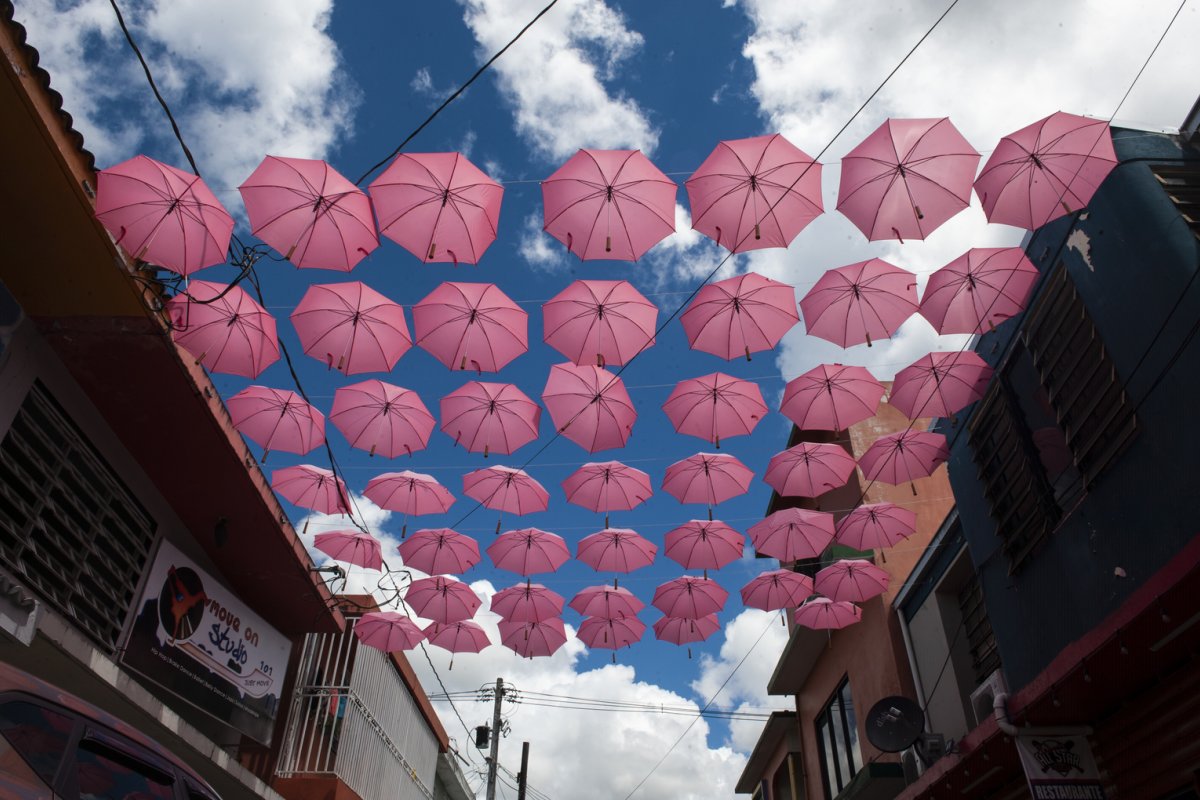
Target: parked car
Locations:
point(54, 746)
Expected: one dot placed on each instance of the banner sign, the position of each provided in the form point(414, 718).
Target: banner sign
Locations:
point(1060, 768)
point(195, 638)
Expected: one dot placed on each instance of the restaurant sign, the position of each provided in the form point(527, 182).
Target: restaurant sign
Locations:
point(1060, 767)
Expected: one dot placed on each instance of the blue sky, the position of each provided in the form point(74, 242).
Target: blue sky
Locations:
point(348, 81)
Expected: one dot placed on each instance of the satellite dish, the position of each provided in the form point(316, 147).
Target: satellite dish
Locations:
point(895, 723)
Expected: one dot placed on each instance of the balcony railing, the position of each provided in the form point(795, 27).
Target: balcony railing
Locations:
point(353, 718)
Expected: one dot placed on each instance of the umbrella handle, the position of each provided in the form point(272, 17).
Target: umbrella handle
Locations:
point(748, 353)
point(432, 251)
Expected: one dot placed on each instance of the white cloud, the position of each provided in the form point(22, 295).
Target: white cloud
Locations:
point(540, 249)
point(422, 82)
point(555, 76)
point(687, 255)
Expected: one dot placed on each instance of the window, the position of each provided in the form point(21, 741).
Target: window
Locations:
point(40, 735)
point(103, 771)
point(981, 641)
point(1181, 182)
point(837, 738)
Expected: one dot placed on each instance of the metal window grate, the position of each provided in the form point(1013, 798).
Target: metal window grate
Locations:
point(985, 658)
point(69, 526)
point(1181, 182)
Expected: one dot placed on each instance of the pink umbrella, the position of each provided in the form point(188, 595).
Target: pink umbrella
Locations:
point(601, 322)
point(860, 302)
point(527, 602)
point(528, 551)
point(276, 419)
point(440, 551)
point(703, 544)
point(611, 204)
point(907, 178)
point(351, 327)
point(352, 547)
point(903, 457)
point(607, 602)
point(689, 597)
point(311, 487)
point(610, 634)
point(809, 470)
point(940, 384)
point(490, 417)
point(506, 489)
point(755, 193)
point(823, 614)
point(533, 639)
point(381, 418)
point(978, 290)
point(852, 580)
point(223, 329)
point(437, 206)
point(457, 637)
point(831, 397)
point(777, 589)
point(441, 599)
point(740, 315)
point(471, 325)
point(677, 630)
point(308, 211)
point(1046, 170)
point(409, 493)
point(607, 486)
point(389, 631)
point(792, 534)
point(615, 550)
point(875, 526)
point(163, 215)
point(715, 406)
point(589, 406)
point(708, 478)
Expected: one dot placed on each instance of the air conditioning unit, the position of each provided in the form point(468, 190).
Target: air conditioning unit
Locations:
point(19, 610)
point(984, 697)
point(910, 762)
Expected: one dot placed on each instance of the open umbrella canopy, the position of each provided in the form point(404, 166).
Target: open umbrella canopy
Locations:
point(1046, 170)
point(809, 469)
point(979, 290)
point(615, 550)
point(854, 580)
point(527, 602)
point(490, 417)
point(740, 315)
point(441, 599)
point(831, 397)
point(689, 597)
point(822, 614)
point(607, 486)
point(607, 602)
point(791, 534)
point(678, 630)
point(907, 178)
point(528, 551)
point(599, 322)
point(351, 327)
point(777, 589)
point(876, 525)
point(589, 406)
point(409, 493)
point(903, 457)
point(437, 206)
point(755, 193)
point(703, 544)
point(223, 329)
point(163, 215)
point(381, 418)
point(311, 487)
point(388, 631)
point(609, 204)
point(310, 213)
point(610, 633)
point(471, 326)
point(708, 478)
point(533, 639)
point(715, 406)
point(940, 384)
point(352, 547)
point(276, 419)
point(440, 551)
point(458, 637)
point(861, 302)
point(506, 489)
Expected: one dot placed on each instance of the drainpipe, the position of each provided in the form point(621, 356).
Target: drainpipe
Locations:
point(913, 668)
point(1000, 709)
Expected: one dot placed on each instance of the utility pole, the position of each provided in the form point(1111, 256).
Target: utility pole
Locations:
point(494, 758)
point(523, 775)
